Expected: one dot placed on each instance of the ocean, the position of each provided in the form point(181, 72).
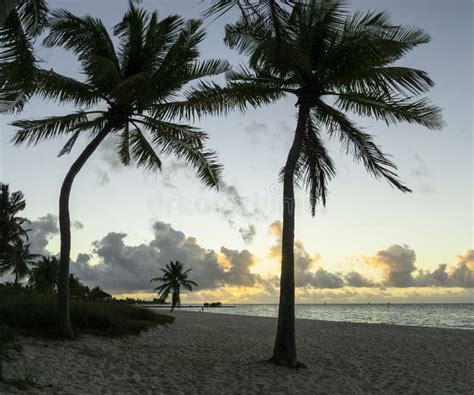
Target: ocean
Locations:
point(459, 316)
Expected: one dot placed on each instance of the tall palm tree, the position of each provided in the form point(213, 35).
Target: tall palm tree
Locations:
point(332, 63)
point(44, 275)
point(172, 280)
point(21, 22)
point(133, 91)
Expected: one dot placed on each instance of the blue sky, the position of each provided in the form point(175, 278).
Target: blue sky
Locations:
point(362, 217)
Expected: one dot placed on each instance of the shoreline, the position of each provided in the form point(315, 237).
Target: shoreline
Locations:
point(468, 329)
point(224, 353)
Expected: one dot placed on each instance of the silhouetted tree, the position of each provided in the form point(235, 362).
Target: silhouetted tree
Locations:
point(14, 251)
point(333, 63)
point(44, 275)
point(18, 261)
point(139, 84)
point(174, 277)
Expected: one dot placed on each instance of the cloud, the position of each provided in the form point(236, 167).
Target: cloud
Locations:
point(238, 272)
point(462, 274)
point(170, 169)
point(256, 130)
point(423, 176)
point(78, 225)
point(108, 152)
point(306, 274)
point(459, 275)
point(236, 206)
point(236, 209)
point(248, 233)
point(42, 230)
point(357, 280)
point(102, 177)
point(397, 264)
point(124, 268)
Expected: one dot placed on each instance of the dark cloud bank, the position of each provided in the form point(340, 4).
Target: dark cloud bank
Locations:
point(124, 268)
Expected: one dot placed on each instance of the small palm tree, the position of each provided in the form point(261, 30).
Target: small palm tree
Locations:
point(44, 275)
point(11, 225)
point(14, 253)
point(172, 280)
point(139, 86)
point(18, 261)
point(333, 63)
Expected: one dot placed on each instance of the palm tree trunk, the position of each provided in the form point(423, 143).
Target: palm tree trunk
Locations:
point(64, 321)
point(284, 351)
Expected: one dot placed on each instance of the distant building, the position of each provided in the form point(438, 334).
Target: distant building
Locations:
point(97, 294)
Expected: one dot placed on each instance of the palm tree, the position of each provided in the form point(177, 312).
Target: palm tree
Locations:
point(11, 225)
point(139, 85)
point(172, 280)
point(44, 275)
point(332, 63)
point(14, 253)
point(18, 260)
point(21, 22)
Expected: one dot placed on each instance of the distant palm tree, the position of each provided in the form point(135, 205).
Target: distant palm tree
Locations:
point(333, 63)
point(172, 280)
point(21, 22)
point(44, 275)
point(140, 85)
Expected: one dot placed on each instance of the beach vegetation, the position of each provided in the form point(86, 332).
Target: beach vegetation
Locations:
point(26, 312)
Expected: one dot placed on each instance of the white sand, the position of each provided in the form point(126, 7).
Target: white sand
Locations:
point(216, 353)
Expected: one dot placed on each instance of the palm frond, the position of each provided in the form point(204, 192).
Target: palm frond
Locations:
point(142, 151)
point(315, 168)
point(185, 142)
point(6, 7)
point(124, 146)
point(33, 15)
point(17, 65)
point(131, 31)
point(60, 88)
point(35, 131)
point(69, 144)
point(88, 38)
point(212, 99)
point(391, 110)
point(359, 144)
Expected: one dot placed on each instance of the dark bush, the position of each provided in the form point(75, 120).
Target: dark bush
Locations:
point(33, 314)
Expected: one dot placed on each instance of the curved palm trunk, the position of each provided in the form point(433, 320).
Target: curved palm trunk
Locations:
point(284, 351)
point(64, 321)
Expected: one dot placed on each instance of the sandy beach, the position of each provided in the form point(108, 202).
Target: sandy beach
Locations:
point(217, 353)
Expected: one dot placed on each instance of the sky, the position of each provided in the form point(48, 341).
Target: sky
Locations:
point(370, 243)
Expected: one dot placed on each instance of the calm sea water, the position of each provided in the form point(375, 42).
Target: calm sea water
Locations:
point(432, 315)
